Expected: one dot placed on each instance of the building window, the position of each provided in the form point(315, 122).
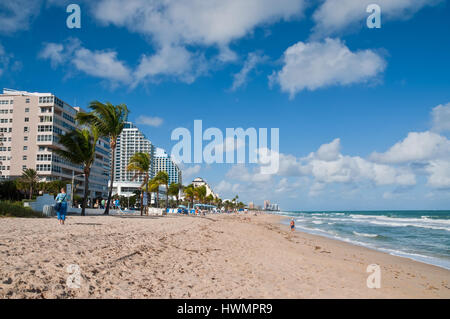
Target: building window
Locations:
point(24, 167)
point(27, 119)
point(24, 157)
point(27, 101)
point(25, 148)
point(27, 110)
point(25, 138)
point(25, 129)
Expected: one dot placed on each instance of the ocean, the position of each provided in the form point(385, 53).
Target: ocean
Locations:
point(420, 235)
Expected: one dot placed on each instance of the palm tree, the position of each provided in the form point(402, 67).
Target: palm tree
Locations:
point(209, 199)
point(110, 120)
point(174, 190)
point(140, 163)
point(163, 179)
point(153, 187)
point(189, 193)
point(29, 179)
point(200, 193)
point(80, 150)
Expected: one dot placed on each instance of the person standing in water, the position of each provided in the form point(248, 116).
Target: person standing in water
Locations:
point(61, 206)
point(292, 224)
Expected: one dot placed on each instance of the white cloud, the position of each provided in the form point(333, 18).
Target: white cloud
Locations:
point(172, 62)
point(102, 64)
point(335, 16)
point(417, 146)
point(313, 65)
point(439, 171)
point(7, 61)
point(441, 118)
point(329, 152)
point(149, 120)
point(225, 187)
point(53, 52)
point(241, 173)
point(173, 26)
point(190, 171)
point(187, 22)
point(17, 15)
point(253, 59)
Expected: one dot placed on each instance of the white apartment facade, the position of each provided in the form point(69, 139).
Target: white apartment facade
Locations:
point(130, 141)
point(29, 127)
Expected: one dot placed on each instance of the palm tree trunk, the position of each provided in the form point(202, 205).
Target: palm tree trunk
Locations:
point(157, 197)
point(31, 191)
point(112, 180)
point(142, 202)
point(167, 198)
point(86, 192)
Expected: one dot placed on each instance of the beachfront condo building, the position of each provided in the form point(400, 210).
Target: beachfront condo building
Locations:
point(130, 141)
point(29, 127)
point(163, 162)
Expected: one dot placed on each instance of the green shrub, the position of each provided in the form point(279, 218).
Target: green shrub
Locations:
point(16, 209)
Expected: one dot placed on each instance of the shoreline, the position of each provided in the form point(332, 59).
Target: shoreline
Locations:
point(216, 256)
point(406, 256)
point(283, 218)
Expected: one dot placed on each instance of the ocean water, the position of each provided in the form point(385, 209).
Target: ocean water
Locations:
point(420, 235)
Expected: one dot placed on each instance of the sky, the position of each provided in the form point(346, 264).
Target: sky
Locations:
point(363, 113)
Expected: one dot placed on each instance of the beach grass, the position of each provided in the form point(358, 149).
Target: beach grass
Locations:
point(16, 209)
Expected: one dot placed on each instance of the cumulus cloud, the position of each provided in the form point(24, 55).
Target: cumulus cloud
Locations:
point(330, 151)
point(441, 118)
point(335, 16)
point(7, 61)
point(173, 63)
point(17, 15)
point(190, 171)
point(417, 146)
point(101, 63)
point(149, 120)
point(174, 26)
point(253, 59)
point(313, 65)
point(439, 171)
point(187, 22)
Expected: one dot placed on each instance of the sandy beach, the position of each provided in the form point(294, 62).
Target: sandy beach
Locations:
point(197, 257)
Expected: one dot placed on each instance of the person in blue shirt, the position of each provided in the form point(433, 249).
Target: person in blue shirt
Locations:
point(61, 206)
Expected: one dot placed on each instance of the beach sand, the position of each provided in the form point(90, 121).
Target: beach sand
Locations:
point(231, 256)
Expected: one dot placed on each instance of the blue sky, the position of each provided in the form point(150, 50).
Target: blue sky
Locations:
point(381, 110)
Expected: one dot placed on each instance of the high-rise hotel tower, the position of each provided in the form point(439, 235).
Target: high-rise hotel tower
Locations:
point(130, 141)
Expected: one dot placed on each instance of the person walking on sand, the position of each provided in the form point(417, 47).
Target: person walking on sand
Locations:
point(61, 206)
point(292, 224)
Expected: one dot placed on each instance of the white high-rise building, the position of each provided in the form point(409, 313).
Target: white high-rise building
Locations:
point(29, 127)
point(163, 162)
point(130, 141)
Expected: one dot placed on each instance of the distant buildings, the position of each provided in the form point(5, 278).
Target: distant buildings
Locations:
point(271, 207)
point(29, 127)
point(130, 141)
point(201, 182)
point(163, 162)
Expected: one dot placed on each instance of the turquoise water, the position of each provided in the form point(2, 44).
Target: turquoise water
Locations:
point(420, 235)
